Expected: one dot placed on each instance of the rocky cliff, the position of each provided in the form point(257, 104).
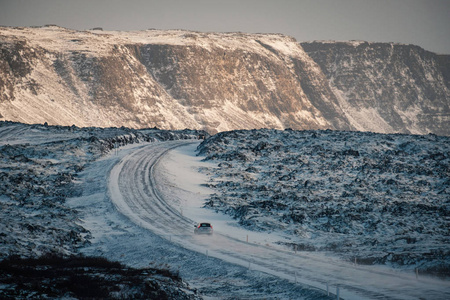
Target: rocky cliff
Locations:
point(387, 87)
point(180, 79)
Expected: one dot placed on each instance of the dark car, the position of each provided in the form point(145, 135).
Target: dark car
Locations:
point(203, 228)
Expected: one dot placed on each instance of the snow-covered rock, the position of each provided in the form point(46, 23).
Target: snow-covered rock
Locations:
point(38, 172)
point(373, 198)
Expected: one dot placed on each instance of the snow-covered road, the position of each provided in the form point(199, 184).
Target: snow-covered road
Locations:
point(155, 187)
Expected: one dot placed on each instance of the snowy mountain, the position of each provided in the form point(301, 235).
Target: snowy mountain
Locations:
point(213, 81)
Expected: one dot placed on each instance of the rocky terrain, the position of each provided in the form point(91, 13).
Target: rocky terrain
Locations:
point(52, 277)
point(218, 81)
point(39, 173)
point(40, 235)
point(370, 198)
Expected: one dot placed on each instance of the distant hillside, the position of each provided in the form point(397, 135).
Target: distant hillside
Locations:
point(387, 87)
point(217, 82)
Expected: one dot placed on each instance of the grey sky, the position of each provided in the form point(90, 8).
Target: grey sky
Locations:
point(421, 22)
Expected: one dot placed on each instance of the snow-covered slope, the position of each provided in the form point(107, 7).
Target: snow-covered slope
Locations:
point(214, 81)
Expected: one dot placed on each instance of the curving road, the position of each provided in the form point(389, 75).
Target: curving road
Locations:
point(136, 194)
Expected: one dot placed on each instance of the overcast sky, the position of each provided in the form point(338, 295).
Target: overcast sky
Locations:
point(421, 22)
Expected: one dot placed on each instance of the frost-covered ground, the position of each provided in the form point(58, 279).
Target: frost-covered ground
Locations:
point(38, 172)
point(40, 169)
point(159, 191)
point(82, 220)
point(68, 204)
point(368, 198)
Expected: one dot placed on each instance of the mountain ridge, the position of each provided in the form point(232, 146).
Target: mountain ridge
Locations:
point(400, 75)
point(176, 79)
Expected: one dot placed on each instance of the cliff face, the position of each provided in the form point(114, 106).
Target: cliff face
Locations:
point(242, 81)
point(181, 79)
point(387, 87)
